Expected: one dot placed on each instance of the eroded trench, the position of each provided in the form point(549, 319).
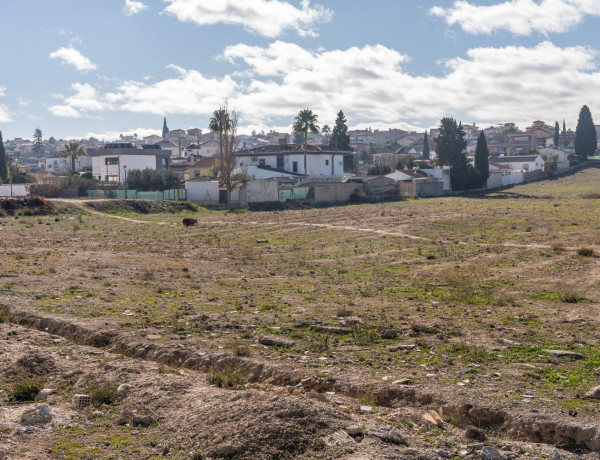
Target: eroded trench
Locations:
point(517, 426)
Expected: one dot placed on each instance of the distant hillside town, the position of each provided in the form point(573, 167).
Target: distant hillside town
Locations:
point(384, 162)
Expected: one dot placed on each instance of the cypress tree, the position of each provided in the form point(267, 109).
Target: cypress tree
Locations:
point(339, 136)
point(586, 140)
point(3, 164)
point(451, 144)
point(426, 152)
point(482, 164)
point(556, 135)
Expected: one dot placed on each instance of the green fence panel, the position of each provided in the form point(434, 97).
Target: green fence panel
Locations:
point(91, 193)
point(295, 194)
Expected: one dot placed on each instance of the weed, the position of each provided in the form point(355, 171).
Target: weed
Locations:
point(24, 388)
point(226, 378)
point(240, 349)
point(104, 393)
point(568, 294)
point(558, 248)
point(318, 445)
point(585, 252)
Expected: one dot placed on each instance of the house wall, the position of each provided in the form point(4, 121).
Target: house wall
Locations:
point(442, 174)
point(261, 191)
point(116, 173)
point(330, 193)
point(317, 165)
point(428, 188)
point(206, 192)
point(15, 190)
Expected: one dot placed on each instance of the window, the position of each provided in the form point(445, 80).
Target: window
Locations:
point(326, 162)
point(111, 161)
point(261, 162)
point(295, 166)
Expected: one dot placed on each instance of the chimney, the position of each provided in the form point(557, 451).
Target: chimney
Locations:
point(282, 142)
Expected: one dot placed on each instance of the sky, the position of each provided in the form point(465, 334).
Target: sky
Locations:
point(81, 68)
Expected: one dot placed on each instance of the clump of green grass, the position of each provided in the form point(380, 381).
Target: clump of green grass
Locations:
point(240, 349)
point(24, 388)
point(226, 379)
point(568, 294)
point(585, 252)
point(104, 393)
point(420, 329)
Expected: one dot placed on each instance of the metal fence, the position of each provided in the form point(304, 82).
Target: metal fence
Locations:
point(171, 195)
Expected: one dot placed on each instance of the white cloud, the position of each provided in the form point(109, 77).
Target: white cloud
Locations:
point(189, 93)
point(115, 135)
point(133, 7)
point(487, 85)
point(2, 91)
point(73, 57)
point(270, 18)
point(5, 116)
point(86, 99)
point(521, 17)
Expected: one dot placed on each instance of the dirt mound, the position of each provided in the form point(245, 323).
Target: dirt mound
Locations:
point(142, 206)
point(36, 364)
point(26, 206)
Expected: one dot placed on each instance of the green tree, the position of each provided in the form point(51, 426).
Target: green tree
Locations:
point(586, 141)
point(350, 163)
point(73, 151)
point(225, 125)
point(306, 121)
point(152, 180)
point(482, 164)
point(379, 170)
point(426, 153)
point(556, 135)
point(326, 132)
point(339, 136)
point(451, 144)
point(38, 143)
point(3, 162)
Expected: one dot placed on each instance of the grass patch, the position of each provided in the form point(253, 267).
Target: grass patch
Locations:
point(104, 393)
point(585, 252)
point(226, 379)
point(24, 388)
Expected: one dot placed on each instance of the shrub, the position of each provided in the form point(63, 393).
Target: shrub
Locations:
point(226, 379)
point(240, 349)
point(585, 252)
point(24, 388)
point(104, 393)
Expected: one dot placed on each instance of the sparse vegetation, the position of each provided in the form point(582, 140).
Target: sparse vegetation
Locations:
point(226, 379)
point(24, 388)
point(103, 393)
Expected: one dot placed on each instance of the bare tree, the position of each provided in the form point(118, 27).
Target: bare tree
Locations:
point(225, 125)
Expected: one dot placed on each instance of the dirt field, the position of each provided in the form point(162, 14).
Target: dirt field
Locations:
point(274, 334)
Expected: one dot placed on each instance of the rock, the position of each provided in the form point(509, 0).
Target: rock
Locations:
point(444, 454)
point(276, 342)
point(354, 430)
point(403, 382)
point(556, 455)
point(331, 330)
point(143, 420)
point(339, 438)
point(44, 393)
point(564, 354)
point(475, 433)
point(389, 333)
point(226, 451)
point(431, 419)
point(475, 447)
point(489, 453)
point(187, 222)
point(37, 416)
point(123, 389)
point(318, 396)
point(387, 435)
point(345, 409)
point(97, 414)
point(594, 393)
point(262, 241)
point(408, 347)
point(366, 409)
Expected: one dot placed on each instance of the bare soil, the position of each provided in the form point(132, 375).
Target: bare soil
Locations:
point(311, 321)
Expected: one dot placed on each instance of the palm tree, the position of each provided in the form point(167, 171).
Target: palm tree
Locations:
point(220, 124)
point(73, 150)
point(303, 123)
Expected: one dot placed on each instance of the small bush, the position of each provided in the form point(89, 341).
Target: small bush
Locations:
point(24, 389)
point(569, 295)
point(585, 252)
point(226, 378)
point(240, 349)
point(558, 248)
point(104, 393)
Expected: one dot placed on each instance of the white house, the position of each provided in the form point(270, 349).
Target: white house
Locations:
point(111, 163)
point(286, 160)
point(560, 157)
point(205, 149)
point(520, 162)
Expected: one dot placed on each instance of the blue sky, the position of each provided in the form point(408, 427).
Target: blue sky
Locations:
point(77, 68)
